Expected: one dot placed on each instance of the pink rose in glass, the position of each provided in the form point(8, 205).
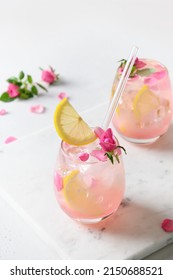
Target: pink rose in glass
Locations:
point(49, 76)
point(107, 140)
point(139, 63)
point(13, 90)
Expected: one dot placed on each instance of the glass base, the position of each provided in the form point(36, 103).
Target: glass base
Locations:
point(140, 141)
point(93, 221)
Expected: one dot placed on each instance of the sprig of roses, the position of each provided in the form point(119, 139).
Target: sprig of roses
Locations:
point(108, 148)
point(23, 86)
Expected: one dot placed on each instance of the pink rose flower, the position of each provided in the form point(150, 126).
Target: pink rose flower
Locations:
point(139, 63)
point(13, 90)
point(107, 141)
point(49, 76)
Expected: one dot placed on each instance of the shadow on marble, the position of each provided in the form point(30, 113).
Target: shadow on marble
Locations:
point(164, 143)
point(132, 220)
point(63, 82)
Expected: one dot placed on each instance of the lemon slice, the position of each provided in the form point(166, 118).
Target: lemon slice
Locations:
point(68, 177)
point(77, 195)
point(144, 102)
point(74, 192)
point(70, 126)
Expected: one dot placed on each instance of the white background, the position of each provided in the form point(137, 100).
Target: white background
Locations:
point(82, 40)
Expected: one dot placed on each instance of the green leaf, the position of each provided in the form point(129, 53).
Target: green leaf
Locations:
point(51, 68)
point(110, 156)
point(117, 158)
point(145, 72)
point(14, 81)
point(21, 75)
point(121, 147)
point(41, 86)
point(6, 98)
point(25, 95)
point(29, 79)
point(34, 90)
point(122, 60)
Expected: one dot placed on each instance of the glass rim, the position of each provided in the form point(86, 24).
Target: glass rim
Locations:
point(130, 79)
point(155, 60)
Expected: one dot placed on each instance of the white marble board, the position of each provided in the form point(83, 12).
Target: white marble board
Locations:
point(132, 233)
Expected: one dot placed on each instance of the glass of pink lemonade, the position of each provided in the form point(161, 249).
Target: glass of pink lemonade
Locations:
point(144, 112)
point(88, 191)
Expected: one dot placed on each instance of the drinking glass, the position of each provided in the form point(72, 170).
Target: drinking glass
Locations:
point(87, 191)
point(144, 112)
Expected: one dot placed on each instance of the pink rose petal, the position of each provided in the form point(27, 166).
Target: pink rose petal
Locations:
point(107, 147)
point(159, 75)
point(150, 81)
point(84, 156)
point(3, 112)
point(62, 95)
point(98, 131)
point(37, 109)
point(167, 225)
point(58, 181)
point(99, 154)
point(139, 63)
point(10, 139)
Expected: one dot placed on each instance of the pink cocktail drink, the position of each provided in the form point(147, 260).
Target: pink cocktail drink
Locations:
point(145, 110)
point(87, 191)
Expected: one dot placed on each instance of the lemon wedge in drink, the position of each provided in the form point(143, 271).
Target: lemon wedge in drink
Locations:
point(77, 195)
point(144, 102)
point(74, 192)
point(70, 126)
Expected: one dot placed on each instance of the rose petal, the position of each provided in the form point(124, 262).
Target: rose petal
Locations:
point(37, 109)
point(10, 139)
point(62, 95)
point(84, 156)
point(99, 154)
point(108, 133)
point(3, 112)
point(139, 63)
point(167, 225)
point(58, 181)
point(98, 131)
point(150, 81)
point(159, 75)
point(107, 147)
